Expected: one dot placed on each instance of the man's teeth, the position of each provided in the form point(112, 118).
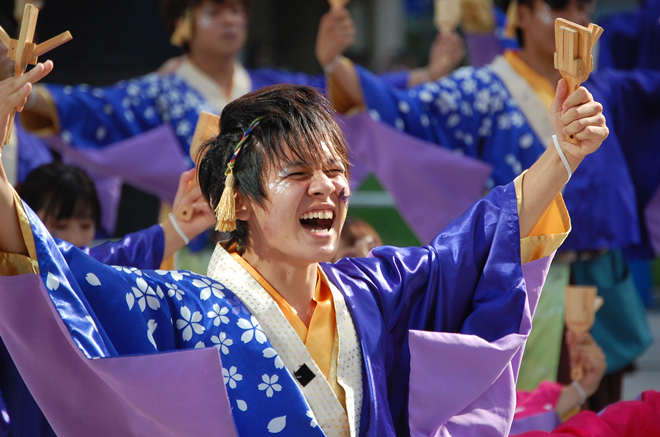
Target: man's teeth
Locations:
point(317, 215)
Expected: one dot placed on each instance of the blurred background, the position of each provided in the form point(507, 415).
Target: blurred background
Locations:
point(120, 39)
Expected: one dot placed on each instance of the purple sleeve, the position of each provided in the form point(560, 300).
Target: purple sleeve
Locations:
point(469, 280)
point(143, 250)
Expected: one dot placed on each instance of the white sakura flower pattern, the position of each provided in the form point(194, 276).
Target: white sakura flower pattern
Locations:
point(176, 275)
point(230, 376)
point(277, 424)
point(208, 287)
point(252, 329)
point(183, 128)
point(469, 86)
point(446, 102)
point(425, 96)
point(218, 315)
point(526, 141)
point(92, 279)
point(144, 294)
point(270, 385)
point(241, 404)
point(517, 119)
point(101, 131)
point(453, 120)
point(375, 115)
point(313, 423)
point(269, 352)
point(222, 342)
point(504, 122)
point(128, 270)
point(173, 290)
point(151, 327)
point(189, 323)
point(516, 166)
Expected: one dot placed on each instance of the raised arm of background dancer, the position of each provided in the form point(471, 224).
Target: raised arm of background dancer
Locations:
point(447, 52)
point(13, 95)
point(577, 115)
point(201, 220)
point(336, 34)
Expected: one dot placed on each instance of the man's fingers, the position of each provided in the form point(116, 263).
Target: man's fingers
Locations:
point(14, 100)
point(11, 85)
point(578, 97)
point(588, 109)
point(582, 123)
point(596, 134)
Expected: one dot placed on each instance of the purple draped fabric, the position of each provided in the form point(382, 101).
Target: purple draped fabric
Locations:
point(415, 173)
point(122, 395)
point(151, 161)
point(482, 48)
point(474, 387)
point(652, 217)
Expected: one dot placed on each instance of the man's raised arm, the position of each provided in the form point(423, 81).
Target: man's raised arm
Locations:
point(13, 95)
point(577, 115)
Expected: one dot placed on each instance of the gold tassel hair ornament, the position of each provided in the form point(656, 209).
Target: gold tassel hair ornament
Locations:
point(183, 30)
point(511, 19)
point(225, 211)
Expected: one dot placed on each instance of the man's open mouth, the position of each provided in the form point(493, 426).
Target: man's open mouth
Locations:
point(317, 221)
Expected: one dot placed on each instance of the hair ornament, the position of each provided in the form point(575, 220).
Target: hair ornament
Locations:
point(183, 30)
point(225, 211)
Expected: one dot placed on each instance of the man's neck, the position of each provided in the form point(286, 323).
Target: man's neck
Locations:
point(220, 69)
point(296, 284)
point(540, 64)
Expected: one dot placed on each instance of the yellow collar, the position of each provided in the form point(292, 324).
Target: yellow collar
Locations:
point(541, 86)
point(320, 336)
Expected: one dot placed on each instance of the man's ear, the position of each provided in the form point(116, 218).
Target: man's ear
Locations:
point(242, 209)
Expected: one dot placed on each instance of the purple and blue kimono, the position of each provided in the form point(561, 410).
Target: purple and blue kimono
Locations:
point(166, 352)
point(473, 113)
point(476, 112)
point(95, 117)
point(143, 250)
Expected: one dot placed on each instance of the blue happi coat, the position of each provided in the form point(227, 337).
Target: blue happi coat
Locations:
point(94, 117)
point(468, 280)
point(473, 113)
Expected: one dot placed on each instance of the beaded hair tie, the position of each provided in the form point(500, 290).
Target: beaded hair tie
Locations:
point(225, 212)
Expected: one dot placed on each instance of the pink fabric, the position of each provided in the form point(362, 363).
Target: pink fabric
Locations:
point(640, 418)
point(177, 393)
point(541, 400)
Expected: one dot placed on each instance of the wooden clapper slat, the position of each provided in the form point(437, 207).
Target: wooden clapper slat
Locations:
point(208, 126)
point(446, 15)
point(582, 302)
point(573, 53)
point(24, 51)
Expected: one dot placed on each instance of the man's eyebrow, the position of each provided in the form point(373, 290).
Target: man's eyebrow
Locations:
point(289, 165)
